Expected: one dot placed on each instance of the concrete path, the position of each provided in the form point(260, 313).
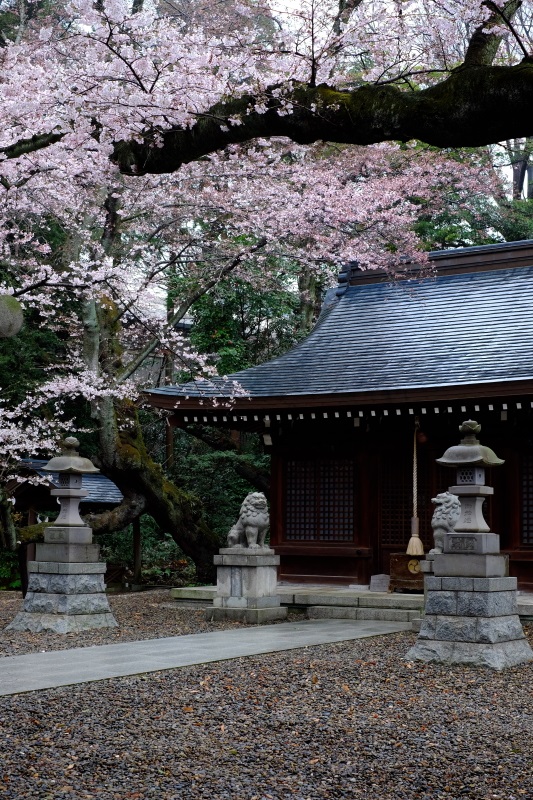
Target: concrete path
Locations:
point(37, 671)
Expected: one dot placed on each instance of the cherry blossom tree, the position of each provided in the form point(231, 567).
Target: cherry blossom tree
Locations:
point(147, 153)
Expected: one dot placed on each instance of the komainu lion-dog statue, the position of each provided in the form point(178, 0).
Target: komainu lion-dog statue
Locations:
point(252, 526)
point(445, 517)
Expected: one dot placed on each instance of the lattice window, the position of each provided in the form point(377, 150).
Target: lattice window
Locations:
point(300, 512)
point(319, 500)
point(336, 500)
point(466, 475)
point(527, 499)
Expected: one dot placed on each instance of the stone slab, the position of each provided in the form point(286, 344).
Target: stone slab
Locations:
point(252, 560)
point(39, 671)
point(37, 623)
point(323, 599)
point(392, 600)
point(379, 583)
point(66, 492)
point(471, 490)
point(346, 612)
point(470, 566)
point(68, 535)
point(455, 629)
point(55, 583)
point(431, 583)
point(63, 568)
point(495, 584)
point(457, 584)
point(270, 601)
point(499, 629)
point(67, 553)
point(194, 593)
point(260, 551)
point(472, 629)
point(471, 543)
point(47, 603)
point(486, 604)
point(252, 616)
point(441, 603)
point(496, 656)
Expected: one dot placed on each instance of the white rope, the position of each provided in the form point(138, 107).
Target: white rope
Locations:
point(415, 475)
point(415, 546)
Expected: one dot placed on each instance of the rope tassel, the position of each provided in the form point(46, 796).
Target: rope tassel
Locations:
point(415, 546)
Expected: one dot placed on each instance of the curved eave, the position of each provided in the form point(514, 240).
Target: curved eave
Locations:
point(419, 394)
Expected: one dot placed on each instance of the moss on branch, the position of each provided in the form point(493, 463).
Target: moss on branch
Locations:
point(473, 106)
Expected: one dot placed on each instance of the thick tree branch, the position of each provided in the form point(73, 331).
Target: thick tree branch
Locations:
point(37, 142)
point(484, 43)
point(116, 519)
point(477, 104)
point(474, 106)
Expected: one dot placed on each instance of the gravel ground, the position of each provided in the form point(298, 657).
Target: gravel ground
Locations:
point(349, 720)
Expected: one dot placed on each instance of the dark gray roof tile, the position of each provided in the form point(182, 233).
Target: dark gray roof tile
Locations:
point(458, 329)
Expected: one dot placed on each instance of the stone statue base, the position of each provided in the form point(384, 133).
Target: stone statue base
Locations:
point(471, 614)
point(246, 586)
point(66, 590)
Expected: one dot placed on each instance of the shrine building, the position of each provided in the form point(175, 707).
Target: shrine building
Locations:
point(389, 372)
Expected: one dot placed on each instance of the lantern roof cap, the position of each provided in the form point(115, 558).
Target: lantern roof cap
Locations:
point(470, 451)
point(70, 461)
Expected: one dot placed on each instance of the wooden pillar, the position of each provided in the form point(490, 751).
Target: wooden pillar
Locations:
point(137, 550)
point(169, 445)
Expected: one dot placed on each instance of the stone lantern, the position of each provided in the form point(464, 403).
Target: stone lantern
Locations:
point(66, 590)
point(471, 609)
point(470, 458)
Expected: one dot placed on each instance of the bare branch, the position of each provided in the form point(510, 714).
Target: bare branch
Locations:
point(182, 309)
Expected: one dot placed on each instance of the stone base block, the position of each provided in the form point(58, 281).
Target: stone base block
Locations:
point(66, 553)
point(253, 616)
point(68, 535)
point(470, 566)
point(470, 584)
point(71, 568)
point(471, 543)
point(491, 630)
point(496, 656)
point(470, 603)
point(271, 601)
point(246, 557)
point(37, 623)
point(55, 583)
point(45, 603)
point(246, 581)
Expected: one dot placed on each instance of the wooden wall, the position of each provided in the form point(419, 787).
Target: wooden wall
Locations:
point(341, 498)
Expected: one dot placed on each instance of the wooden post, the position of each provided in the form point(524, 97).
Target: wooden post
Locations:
point(137, 550)
point(169, 445)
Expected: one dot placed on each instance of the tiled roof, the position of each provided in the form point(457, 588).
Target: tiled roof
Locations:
point(100, 490)
point(450, 330)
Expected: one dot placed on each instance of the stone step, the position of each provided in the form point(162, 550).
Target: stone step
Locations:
point(351, 612)
point(351, 599)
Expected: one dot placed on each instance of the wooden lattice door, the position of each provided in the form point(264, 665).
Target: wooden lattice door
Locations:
point(319, 500)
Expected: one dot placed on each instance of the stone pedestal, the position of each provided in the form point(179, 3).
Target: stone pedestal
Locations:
point(66, 591)
point(471, 607)
point(246, 586)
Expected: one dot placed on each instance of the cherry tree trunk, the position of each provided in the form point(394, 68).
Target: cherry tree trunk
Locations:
point(126, 461)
